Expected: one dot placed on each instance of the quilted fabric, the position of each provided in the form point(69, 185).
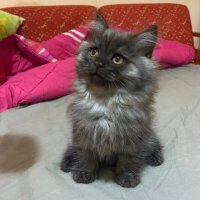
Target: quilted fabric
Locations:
point(44, 22)
point(16, 61)
point(173, 20)
point(46, 82)
point(34, 73)
point(33, 50)
point(66, 44)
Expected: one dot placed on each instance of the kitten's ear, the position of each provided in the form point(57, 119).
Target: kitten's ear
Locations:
point(101, 21)
point(145, 42)
point(99, 24)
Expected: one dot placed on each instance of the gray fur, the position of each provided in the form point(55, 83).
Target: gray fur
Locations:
point(112, 109)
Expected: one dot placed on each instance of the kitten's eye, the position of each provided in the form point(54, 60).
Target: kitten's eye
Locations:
point(93, 52)
point(117, 59)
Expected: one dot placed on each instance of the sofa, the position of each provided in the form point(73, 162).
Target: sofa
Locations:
point(34, 137)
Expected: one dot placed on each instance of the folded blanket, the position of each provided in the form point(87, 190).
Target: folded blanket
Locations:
point(43, 71)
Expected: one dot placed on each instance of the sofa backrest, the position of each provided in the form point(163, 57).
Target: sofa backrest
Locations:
point(173, 20)
point(44, 22)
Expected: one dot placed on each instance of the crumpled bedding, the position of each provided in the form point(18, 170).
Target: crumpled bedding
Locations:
point(38, 71)
point(34, 138)
point(42, 71)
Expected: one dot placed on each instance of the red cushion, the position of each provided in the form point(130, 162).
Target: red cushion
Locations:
point(173, 20)
point(44, 22)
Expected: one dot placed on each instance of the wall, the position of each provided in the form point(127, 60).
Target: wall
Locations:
point(193, 5)
point(6, 3)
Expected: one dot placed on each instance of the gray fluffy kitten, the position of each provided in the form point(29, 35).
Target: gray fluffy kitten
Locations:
point(112, 108)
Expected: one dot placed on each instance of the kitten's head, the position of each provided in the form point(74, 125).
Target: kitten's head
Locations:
point(109, 58)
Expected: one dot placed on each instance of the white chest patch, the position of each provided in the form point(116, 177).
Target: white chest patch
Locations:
point(97, 112)
point(98, 109)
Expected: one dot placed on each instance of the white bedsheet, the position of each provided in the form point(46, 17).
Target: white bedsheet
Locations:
point(34, 138)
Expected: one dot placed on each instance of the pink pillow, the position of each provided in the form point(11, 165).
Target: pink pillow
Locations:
point(172, 53)
point(168, 53)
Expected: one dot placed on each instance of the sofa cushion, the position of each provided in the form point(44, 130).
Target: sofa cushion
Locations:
point(173, 20)
point(44, 22)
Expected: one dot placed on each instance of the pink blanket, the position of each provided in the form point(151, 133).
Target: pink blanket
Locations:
point(43, 71)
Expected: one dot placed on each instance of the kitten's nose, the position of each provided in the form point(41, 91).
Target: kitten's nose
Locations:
point(98, 64)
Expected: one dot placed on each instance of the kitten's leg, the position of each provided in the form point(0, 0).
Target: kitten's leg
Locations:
point(69, 159)
point(83, 165)
point(86, 168)
point(128, 171)
point(155, 157)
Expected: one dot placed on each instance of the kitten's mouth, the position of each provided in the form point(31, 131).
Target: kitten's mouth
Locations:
point(97, 79)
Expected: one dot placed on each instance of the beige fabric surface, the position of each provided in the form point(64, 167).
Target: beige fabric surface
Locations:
point(33, 139)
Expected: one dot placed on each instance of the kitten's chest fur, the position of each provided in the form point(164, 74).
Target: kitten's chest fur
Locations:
point(97, 111)
point(105, 123)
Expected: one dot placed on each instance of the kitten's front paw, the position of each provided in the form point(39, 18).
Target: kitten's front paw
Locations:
point(155, 159)
point(65, 166)
point(127, 180)
point(83, 177)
